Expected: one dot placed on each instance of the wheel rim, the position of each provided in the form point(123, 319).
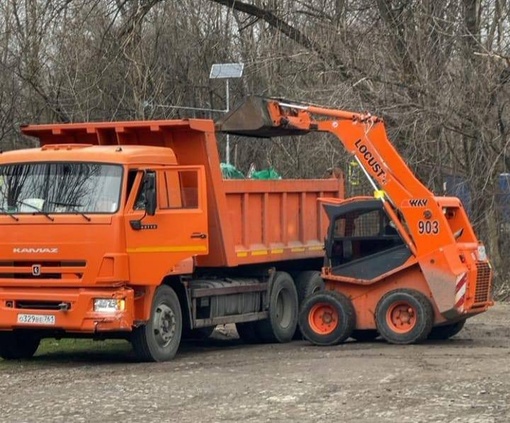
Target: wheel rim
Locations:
point(323, 318)
point(401, 317)
point(165, 325)
point(283, 309)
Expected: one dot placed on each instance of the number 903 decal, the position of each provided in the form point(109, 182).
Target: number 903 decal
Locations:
point(428, 227)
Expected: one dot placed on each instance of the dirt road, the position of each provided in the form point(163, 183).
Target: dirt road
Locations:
point(466, 379)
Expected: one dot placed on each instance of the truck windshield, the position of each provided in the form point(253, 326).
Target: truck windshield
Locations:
point(60, 187)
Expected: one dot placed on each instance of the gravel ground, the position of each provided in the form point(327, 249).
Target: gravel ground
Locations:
point(465, 379)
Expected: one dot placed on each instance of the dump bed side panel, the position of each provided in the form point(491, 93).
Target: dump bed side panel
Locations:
point(277, 220)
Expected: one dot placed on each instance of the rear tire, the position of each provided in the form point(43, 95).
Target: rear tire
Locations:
point(283, 311)
point(307, 283)
point(18, 345)
point(404, 316)
point(159, 339)
point(327, 318)
point(446, 331)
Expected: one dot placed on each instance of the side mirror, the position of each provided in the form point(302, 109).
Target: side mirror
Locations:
point(150, 202)
point(150, 193)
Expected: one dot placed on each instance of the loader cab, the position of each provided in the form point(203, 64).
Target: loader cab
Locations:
point(362, 241)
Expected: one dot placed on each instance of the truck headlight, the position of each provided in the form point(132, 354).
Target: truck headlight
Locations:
point(109, 305)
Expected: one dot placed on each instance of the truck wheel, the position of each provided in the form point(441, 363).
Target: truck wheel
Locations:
point(446, 331)
point(283, 311)
point(365, 335)
point(16, 345)
point(404, 316)
point(307, 283)
point(327, 318)
point(248, 332)
point(159, 339)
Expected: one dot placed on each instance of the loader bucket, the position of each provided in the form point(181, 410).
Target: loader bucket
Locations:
point(252, 118)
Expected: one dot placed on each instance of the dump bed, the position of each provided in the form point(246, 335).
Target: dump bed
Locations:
point(250, 221)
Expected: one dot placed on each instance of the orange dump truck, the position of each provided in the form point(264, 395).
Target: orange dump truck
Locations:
point(127, 229)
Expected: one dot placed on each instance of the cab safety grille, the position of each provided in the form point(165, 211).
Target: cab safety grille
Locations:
point(36, 270)
point(483, 282)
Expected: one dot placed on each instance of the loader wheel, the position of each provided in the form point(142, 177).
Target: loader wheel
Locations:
point(18, 345)
point(307, 283)
point(404, 316)
point(283, 311)
point(365, 335)
point(446, 331)
point(159, 339)
point(327, 318)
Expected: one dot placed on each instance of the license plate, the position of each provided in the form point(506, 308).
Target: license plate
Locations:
point(36, 319)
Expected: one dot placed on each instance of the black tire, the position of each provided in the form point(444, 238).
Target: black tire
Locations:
point(159, 339)
point(307, 283)
point(366, 335)
point(404, 316)
point(18, 345)
point(446, 331)
point(248, 332)
point(327, 318)
point(283, 311)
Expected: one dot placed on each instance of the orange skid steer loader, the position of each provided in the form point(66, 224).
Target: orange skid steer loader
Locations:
point(404, 264)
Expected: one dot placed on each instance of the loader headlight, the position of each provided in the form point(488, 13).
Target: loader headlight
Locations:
point(482, 255)
point(109, 305)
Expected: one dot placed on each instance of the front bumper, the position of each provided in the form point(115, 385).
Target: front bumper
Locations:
point(73, 309)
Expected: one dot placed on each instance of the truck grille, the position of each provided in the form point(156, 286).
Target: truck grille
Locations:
point(32, 270)
point(483, 282)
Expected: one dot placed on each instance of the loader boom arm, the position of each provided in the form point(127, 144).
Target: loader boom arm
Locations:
point(423, 223)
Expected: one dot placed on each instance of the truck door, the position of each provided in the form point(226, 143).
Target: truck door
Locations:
point(165, 242)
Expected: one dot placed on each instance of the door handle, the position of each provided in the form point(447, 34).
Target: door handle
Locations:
point(198, 235)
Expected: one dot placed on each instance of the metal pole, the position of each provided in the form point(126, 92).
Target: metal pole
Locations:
point(227, 155)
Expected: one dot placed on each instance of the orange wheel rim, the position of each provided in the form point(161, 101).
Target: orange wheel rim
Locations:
point(323, 318)
point(401, 317)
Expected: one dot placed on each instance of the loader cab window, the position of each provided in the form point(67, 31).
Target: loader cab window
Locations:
point(360, 235)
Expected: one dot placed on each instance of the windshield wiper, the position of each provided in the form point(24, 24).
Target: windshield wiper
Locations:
point(8, 213)
point(37, 209)
point(73, 208)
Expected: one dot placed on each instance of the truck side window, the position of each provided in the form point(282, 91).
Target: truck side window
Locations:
point(130, 182)
point(178, 189)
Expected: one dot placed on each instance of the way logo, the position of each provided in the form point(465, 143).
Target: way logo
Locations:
point(415, 202)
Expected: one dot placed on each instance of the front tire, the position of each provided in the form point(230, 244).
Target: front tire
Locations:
point(327, 318)
point(283, 311)
point(18, 345)
point(404, 316)
point(159, 339)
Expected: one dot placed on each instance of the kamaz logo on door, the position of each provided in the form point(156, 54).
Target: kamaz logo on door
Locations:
point(415, 202)
point(33, 250)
